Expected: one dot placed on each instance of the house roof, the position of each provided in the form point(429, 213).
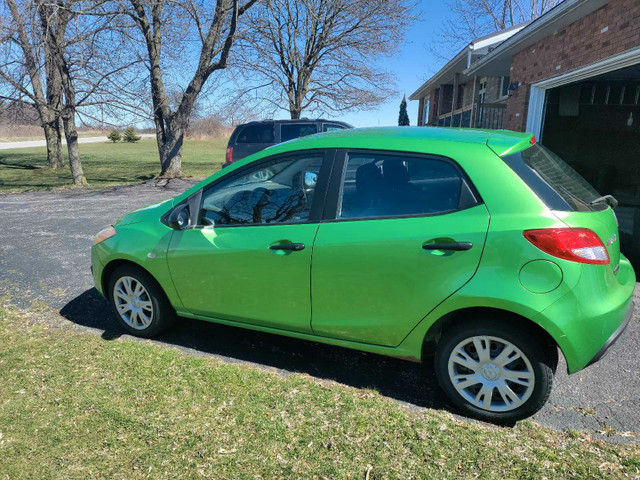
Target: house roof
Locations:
point(498, 61)
point(459, 63)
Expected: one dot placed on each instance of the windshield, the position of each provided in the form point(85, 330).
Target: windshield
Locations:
point(553, 180)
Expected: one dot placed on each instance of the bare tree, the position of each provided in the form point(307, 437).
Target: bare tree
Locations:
point(58, 56)
point(22, 76)
point(473, 19)
point(214, 25)
point(320, 55)
point(54, 21)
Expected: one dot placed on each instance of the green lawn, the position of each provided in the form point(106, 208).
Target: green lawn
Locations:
point(105, 164)
point(73, 405)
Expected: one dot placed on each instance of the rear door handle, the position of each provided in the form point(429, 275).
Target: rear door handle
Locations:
point(455, 246)
point(294, 247)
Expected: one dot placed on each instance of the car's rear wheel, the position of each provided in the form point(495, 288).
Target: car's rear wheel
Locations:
point(495, 370)
point(139, 302)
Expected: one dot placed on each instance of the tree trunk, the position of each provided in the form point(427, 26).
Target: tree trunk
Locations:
point(171, 152)
point(57, 128)
point(72, 146)
point(54, 145)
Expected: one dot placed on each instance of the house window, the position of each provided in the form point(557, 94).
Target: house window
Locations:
point(425, 112)
point(504, 85)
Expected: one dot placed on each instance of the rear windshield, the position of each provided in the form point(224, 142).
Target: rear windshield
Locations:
point(558, 185)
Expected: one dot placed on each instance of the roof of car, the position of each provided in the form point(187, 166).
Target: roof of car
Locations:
point(501, 141)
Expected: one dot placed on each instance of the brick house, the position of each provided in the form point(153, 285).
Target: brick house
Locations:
point(479, 101)
point(574, 81)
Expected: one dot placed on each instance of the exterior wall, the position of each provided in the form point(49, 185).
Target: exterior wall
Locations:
point(467, 98)
point(433, 107)
point(493, 90)
point(609, 30)
point(447, 98)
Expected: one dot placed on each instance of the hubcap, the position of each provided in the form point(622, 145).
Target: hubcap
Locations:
point(491, 373)
point(133, 303)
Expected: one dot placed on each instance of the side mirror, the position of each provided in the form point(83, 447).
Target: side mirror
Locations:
point(179, 217)
point(310, 179)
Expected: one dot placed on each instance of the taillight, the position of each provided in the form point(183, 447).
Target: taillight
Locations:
point(576, 244)
point(229, 154)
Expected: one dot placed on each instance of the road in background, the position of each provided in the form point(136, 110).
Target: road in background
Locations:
point(43, 143)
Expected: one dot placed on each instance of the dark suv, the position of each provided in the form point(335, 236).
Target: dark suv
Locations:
point(252, 137)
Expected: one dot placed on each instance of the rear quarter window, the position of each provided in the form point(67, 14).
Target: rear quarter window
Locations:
point(256, 134)
point(296, 130)
point(558, 185)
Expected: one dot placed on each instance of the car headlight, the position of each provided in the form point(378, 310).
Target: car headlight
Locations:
point(103, 235)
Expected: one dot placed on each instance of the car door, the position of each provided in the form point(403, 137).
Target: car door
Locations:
point(247, 258)
point(401, 234)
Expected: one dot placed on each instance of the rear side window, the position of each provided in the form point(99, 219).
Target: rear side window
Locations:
point(388, 185)
point(257, 134)
point(558, 185)
point(332, 127)
point(289, 131)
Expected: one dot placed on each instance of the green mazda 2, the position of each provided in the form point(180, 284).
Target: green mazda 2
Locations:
point(480, 249)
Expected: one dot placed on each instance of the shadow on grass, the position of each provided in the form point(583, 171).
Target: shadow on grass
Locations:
point(405, 381)
point(18, 166)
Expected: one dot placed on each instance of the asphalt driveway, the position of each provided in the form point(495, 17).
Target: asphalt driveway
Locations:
point(45, 239)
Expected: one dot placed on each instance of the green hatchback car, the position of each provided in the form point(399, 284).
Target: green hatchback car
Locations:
point(481, 249)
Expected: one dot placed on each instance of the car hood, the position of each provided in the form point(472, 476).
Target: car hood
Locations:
point(155, 210)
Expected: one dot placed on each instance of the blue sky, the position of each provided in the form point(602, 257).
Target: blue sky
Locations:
point(412, 65)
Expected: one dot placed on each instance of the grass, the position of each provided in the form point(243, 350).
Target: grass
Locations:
point(105, 164)
point(73, 405)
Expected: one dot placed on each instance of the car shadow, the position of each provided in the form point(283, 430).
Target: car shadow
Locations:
point(408, 382)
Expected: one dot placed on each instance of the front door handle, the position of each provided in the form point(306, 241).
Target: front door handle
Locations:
point(292, 247)
point(455, 246)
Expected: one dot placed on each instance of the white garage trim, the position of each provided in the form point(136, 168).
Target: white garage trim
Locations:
point(535, 114)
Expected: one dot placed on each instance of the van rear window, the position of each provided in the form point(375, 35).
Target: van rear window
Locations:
point(261, 133)
point(558, 185)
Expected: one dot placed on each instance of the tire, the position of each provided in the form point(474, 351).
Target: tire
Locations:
point(469, 365)
point(147, 312)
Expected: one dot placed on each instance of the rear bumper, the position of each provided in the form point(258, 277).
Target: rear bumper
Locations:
point(613, 338)
point(587, 320)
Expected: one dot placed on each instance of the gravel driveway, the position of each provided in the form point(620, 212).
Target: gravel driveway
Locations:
point(44, 257)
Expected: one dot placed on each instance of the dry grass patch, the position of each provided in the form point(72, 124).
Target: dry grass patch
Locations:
point(73, 405)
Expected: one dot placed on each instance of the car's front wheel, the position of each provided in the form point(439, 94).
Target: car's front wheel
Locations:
point(139, 302)
point(495, 370)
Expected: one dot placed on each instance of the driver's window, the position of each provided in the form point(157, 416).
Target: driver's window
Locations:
point(280, 191)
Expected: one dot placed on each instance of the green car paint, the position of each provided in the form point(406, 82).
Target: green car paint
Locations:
point(367, 284)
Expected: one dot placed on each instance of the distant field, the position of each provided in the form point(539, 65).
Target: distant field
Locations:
point(105, 164)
